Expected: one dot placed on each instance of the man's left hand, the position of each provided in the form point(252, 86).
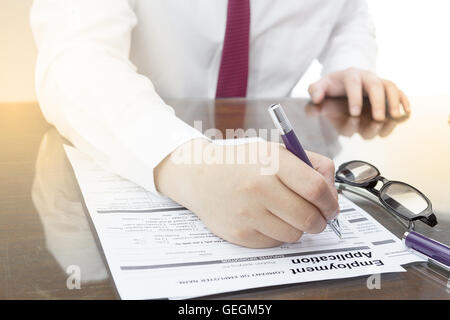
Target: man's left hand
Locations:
point(355, 84)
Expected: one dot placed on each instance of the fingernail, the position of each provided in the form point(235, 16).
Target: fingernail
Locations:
point(355, 111)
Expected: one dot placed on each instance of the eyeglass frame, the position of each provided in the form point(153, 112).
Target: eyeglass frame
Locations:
point(426, 216)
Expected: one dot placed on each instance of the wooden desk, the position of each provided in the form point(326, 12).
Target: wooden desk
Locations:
point(44, 229)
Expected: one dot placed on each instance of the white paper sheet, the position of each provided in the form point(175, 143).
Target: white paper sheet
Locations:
point(367, 228)
point(157, 249)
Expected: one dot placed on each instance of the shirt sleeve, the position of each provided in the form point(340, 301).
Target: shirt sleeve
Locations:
point(352, 42)
point(88, 88)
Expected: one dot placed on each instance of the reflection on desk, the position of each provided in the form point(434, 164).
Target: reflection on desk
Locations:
point(55, 194)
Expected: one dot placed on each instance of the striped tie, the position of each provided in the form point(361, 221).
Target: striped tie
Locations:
point(233, 72)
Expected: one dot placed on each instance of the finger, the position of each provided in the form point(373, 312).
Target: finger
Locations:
point(393, 98)
point(349, 126)
point(375, 90)
point(387, 129)
point(318, 89)
point(293, 209)
point(405, 102)
point(252, 239)
point(275, 228)
point(335, 108)
point(369, 129)
point(325, 167)
point(308, 183)
point(354, 91)
point(312, 110)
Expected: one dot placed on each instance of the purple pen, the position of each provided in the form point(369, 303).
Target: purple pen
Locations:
point(432, 249)
point(292, 143)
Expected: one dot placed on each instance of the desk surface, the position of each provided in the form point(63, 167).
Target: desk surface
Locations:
point(44, 228)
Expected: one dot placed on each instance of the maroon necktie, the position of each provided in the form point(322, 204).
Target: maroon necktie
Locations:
point(233, 72)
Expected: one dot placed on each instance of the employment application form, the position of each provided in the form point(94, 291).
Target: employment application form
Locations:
point(155, 248)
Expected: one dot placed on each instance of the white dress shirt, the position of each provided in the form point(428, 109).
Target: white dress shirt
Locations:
point(105, 66)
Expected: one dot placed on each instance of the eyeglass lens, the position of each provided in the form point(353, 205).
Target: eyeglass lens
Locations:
point(357, 172)
point(400, 196)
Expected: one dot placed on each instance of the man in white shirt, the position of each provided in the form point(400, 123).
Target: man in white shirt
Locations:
point(104, 66)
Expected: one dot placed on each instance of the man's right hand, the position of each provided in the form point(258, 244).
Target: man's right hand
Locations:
point(240, 204)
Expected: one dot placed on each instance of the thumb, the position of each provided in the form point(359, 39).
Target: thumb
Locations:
point(317, 90)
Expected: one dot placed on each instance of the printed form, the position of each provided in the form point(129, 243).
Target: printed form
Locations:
point(155, 248)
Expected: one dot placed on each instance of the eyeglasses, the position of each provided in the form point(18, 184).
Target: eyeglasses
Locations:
point(400, 199)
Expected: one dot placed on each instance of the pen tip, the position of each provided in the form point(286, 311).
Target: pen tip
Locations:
point(334, 225)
